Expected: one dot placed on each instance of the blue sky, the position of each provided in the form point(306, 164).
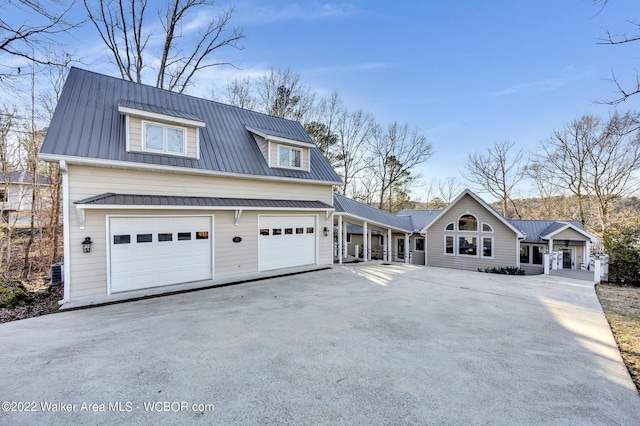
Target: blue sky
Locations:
point(465, 73)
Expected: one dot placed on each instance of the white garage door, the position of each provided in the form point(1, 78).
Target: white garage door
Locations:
point(155, 251)
point(287, 241)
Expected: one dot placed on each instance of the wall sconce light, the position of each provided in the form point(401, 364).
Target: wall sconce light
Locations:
point(86, 245)
point(326, 231)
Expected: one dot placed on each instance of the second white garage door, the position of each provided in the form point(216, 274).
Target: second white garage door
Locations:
point(155, 251)
point(287, 241)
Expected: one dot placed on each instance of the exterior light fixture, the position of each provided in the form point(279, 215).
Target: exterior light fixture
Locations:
point(326, 231)
point(86, 245)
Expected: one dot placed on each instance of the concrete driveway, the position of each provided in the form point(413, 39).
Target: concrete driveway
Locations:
point(360, 344)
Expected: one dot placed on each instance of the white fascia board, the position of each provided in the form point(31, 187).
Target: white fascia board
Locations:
point(373, 222)
point(567, 226)
point(161, 117)
point(115, 164)
point(280, 139)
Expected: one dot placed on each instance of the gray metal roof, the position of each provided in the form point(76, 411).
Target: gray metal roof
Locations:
point(158, 109)
point(535, 229)
point(270, 132)
point(420, 218)
point(343, 204)
point(23, 176)
point(111, 199)
point(87, 124)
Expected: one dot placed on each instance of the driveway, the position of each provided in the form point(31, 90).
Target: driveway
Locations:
point(362, 344)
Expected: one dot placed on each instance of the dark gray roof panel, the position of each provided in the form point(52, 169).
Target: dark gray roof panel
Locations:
point(87, 124)
point(158, 110)
point(533, 229)
point(420, 218)
point(343, 204)
point(23, 176)
point(111, 199)
point(270, 132)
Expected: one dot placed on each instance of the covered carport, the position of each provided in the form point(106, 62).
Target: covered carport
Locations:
point(391, 228)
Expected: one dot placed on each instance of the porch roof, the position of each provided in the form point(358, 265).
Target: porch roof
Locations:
point(348, 207)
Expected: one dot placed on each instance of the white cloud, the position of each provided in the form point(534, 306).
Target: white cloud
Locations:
point(307, 11)
point(534, 86)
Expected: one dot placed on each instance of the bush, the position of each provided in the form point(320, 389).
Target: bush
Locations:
point(505, 270)
point(12, 293)
point(623, 245)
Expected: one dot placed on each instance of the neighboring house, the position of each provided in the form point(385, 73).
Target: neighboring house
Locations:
point(16, 190)
point(173, 189)
point(467, 234)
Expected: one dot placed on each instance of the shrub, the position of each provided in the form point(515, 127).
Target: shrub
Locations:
point(12, 293)
point(505, 270)
point(623, 245)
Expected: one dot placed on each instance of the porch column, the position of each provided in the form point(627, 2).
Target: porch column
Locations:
point(407, 248)
point(365, 243)
point(586, 259)
point(389, 246)
point(340, 254)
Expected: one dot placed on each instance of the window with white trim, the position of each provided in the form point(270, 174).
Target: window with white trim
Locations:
point(468, 246)
point(164, 139)
point(464, 238)
point(467, 222)
point(486, 227)
point(487, 247)
point(449, 247)
point(418, 244)
point(289, 157)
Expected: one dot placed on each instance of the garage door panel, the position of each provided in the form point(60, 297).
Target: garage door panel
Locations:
point(287, 241)
point(167, 251)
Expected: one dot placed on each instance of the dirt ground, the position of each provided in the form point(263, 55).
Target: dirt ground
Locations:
point(621, 305)
point(43, 299)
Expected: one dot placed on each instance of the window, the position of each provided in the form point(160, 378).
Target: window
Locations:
point(467, 246)
point(144, 238)
point(3, 196)
point(288, 231)
point(264, 231)
point(381, 241)
point(419, 244)
point(524, 254)
point(202, 235)
point(348, 238)
point(486, 227)
point(161, 138)
point(276, 231)
point(289, 157)
point(448, 245)
point(299, 230)
point(165, 236)
point(309, 230)
point(538, 255)
point(184, 236)
point(487, 247)
point(449, 227)
point(467, 222)
point(121, 239)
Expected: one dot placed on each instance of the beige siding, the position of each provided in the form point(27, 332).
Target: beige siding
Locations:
point(569, 234)
point(505, 244)
point(417, 256)
point(88, 272)
point(135, 135)
point(264, 146)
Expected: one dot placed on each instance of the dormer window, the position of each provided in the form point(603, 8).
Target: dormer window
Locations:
point(289, 157)
point(165, 139)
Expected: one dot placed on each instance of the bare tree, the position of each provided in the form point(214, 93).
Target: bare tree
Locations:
point(614, 161)
point(353, 130)
point(282, 94)
point(124, 29)
point(22, 39)
point(625, 90)
point(497, 171)
point(239, 92)
point(395, 153)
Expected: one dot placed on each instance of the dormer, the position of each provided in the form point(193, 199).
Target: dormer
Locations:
point(157, 130)
point(281, 151)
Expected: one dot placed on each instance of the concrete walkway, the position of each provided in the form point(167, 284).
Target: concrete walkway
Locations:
point(366, 344)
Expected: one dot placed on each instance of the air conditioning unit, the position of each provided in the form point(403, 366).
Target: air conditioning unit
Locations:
point(57, 273)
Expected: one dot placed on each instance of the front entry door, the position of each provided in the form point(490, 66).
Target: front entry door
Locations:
point(566, 258)
point(399, 249)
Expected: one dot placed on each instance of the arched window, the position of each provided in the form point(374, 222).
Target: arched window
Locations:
point(486, 227)
point(449, 227)
point(467, 222)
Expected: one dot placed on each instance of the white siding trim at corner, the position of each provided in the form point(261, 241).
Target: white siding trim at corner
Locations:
point(127, 137)
point(66, 238)
point(127, 165)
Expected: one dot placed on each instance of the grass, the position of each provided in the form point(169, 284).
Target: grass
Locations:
point(621, 305)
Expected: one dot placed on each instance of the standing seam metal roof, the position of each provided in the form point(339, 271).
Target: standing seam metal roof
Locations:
point(87, 123)
point(343, 204)
point(534, 229)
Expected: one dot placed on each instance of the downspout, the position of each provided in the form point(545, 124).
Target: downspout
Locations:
point(66, 231)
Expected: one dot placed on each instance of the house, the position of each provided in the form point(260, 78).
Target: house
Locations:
point(467, 234)
point(16, 197)
point(170, 191)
